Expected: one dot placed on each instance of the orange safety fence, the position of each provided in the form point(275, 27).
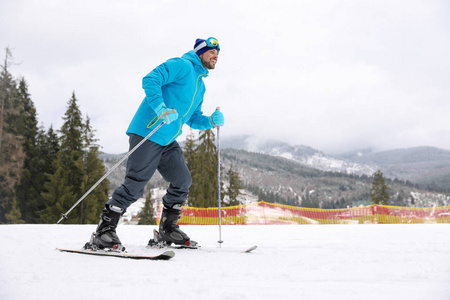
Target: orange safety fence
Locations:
point(270, 213)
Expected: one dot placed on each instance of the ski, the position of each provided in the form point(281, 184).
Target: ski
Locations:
point(166, 255)
point(250, 249)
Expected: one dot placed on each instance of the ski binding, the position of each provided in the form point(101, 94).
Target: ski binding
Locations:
point(157, 243)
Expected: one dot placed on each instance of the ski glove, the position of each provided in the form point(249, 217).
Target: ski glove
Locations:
point(217, 118)
point(167, 114)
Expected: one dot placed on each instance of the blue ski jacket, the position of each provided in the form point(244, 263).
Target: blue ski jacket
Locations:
point(179, 84)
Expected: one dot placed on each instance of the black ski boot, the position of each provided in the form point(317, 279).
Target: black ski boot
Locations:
point(169, 231)
point(105, 235)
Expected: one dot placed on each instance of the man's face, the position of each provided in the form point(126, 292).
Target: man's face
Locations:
point(209, 59)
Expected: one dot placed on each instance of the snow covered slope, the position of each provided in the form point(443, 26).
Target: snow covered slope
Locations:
point(291, 262)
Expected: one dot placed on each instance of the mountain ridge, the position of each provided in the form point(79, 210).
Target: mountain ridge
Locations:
point(427, 166)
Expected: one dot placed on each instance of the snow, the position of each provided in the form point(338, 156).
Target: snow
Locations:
point(291, 262)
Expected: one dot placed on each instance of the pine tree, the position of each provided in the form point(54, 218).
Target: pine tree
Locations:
point(77, 168)
point(48, 145)
point(30, 186)
point(11, 143)
point(93, 170)
point(14, 216)
point(190, 154)
point(204, 175)
point(27, 118)
point(311, 199)
point(65, 185)
point(45, 164)
point(7, 91)
point(189, 151)
point(58, 195)
point(234, 188)
point(379, 192)
point(147, 216)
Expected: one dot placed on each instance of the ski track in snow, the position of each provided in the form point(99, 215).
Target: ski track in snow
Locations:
point(291, 262)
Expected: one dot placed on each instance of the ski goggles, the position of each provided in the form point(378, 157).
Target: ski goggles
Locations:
point(210, 42)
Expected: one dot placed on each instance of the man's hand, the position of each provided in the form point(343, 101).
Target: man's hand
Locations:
point(217, 118)
point(167, 114)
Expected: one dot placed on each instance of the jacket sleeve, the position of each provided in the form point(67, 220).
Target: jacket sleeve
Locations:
point(198, 121)
point(170, 71)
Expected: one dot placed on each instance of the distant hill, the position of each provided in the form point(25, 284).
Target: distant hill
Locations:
point(282, 180)
point(427, 166)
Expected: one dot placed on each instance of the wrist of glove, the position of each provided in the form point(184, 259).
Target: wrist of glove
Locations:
point(217, 119)
point(167, 114)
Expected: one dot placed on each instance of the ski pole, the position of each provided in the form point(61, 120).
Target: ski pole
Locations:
point(218, 184)
point(64, 216)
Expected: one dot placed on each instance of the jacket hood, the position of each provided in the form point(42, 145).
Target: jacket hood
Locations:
point(196, 61)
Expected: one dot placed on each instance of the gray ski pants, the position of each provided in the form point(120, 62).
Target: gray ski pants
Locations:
point(141, 166)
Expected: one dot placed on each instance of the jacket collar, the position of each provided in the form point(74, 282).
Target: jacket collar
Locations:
point(197, 62)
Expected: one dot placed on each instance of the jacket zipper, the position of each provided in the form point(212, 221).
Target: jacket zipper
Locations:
point(192, 102)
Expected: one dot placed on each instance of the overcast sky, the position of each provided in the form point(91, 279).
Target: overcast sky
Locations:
point(333, 75)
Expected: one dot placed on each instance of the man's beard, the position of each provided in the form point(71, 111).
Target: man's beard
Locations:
point(208, 65)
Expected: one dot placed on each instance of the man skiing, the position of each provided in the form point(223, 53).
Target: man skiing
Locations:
point(174, 93)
